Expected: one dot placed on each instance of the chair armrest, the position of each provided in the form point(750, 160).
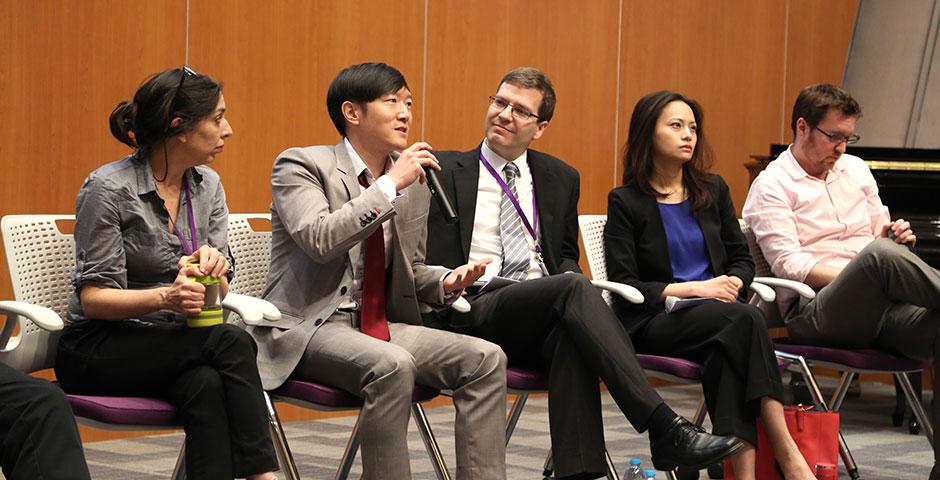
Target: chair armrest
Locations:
point(43, 317)
point(251, 309)
point(461, 305)
point(626, 291)
point(765, 293)
point(802, 289)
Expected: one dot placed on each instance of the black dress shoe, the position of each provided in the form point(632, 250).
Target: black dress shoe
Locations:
point(689, 445)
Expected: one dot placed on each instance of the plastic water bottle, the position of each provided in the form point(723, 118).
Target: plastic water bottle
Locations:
point(635, 471)
point(649, 473)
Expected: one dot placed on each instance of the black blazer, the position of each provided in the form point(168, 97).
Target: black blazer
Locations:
point(637, 252)
point(557, 187)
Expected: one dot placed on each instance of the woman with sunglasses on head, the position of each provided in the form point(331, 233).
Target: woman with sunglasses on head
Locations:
point(144, 224)
point(672, 231)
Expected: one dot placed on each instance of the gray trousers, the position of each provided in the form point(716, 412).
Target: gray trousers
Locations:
point(384, 374)
point(885, 298)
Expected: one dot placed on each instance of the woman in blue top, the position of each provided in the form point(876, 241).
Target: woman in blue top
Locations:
point(139, 223)
point(672, 231)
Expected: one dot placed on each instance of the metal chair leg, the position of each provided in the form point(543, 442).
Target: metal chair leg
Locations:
point(838, 396)
point(514, 413)
point(916, 406)
point(549, 466)
point(672, 475)
point(281, 448)
point(700, 412)
point(611, 468)
point(847, 459)
point(349, 455)
point(179, 471)
point(430, 443)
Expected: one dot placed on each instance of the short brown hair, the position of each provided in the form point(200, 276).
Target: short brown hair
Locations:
point(815, 100)
point(528, 77)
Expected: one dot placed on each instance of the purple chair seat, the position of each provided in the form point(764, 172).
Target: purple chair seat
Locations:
point(525, 379)
point(333, 397)
point(124, 410)
point(862, 359)
point(676, 367)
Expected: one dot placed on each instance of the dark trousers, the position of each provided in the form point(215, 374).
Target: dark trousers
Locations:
point(887, 298)
point(208, 373)
point(731, 342)
point(38, 437)
point(562, 323)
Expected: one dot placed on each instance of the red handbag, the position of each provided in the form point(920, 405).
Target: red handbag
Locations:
point(816, 434)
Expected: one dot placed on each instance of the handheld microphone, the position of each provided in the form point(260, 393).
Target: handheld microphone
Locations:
point(434, 185)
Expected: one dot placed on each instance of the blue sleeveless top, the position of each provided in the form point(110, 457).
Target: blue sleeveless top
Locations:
point(687, 252)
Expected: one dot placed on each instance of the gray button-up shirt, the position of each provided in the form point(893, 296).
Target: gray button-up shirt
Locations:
point(121, 235)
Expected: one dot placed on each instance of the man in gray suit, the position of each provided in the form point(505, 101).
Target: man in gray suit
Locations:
point(347, 272)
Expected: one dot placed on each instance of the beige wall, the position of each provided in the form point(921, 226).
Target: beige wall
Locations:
point(895, 46)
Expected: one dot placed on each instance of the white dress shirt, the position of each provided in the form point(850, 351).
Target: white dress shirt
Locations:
point(485, 241)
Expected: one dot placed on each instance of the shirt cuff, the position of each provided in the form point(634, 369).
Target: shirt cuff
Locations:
point(387, 186)
point(451, 297)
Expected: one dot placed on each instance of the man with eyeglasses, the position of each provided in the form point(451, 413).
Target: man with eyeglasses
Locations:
point(518, 208)
point(818, 219)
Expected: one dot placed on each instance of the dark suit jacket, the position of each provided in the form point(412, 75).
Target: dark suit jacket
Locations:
point(638, 255)
point(557, 187)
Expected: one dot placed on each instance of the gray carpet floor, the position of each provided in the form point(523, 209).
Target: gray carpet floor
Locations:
point(882, 451)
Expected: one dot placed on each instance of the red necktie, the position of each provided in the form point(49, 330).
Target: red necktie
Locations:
point(373, 322)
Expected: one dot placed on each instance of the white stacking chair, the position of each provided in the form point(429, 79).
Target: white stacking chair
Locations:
point(41, 260)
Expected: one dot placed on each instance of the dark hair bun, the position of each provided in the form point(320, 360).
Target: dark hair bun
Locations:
point(123, 123)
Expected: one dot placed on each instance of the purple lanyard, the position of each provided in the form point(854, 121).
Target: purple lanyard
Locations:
point(192, 223)
point(515, 202)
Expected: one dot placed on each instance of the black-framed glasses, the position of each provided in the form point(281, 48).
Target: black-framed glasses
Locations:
point(187, 72)
point(838, 138)
point(521, 113)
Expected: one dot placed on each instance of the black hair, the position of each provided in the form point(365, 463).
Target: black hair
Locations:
point(145, 121)
point(361, 84)
point(638, 151)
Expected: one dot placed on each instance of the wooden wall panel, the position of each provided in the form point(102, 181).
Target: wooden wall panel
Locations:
point(471, 45)
point(63, 68)
point(726, 55)
point(65, 65)
point(277, 60)
point(818, 40)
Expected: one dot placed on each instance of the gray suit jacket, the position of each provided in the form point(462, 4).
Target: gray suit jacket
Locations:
point(319, 222)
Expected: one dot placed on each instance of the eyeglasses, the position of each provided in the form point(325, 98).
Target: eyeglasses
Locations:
point(187, 72)
point(520, 113)
point(838, 138)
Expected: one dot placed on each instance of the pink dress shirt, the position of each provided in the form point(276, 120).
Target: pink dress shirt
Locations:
point(800, 220)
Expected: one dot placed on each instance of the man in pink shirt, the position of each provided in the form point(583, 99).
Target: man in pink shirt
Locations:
point(818, 219)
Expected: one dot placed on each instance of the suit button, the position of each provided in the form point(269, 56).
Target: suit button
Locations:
point(318, 322)
point(342, 291)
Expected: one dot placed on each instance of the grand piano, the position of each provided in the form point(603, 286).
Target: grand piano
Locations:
point(908, 182)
